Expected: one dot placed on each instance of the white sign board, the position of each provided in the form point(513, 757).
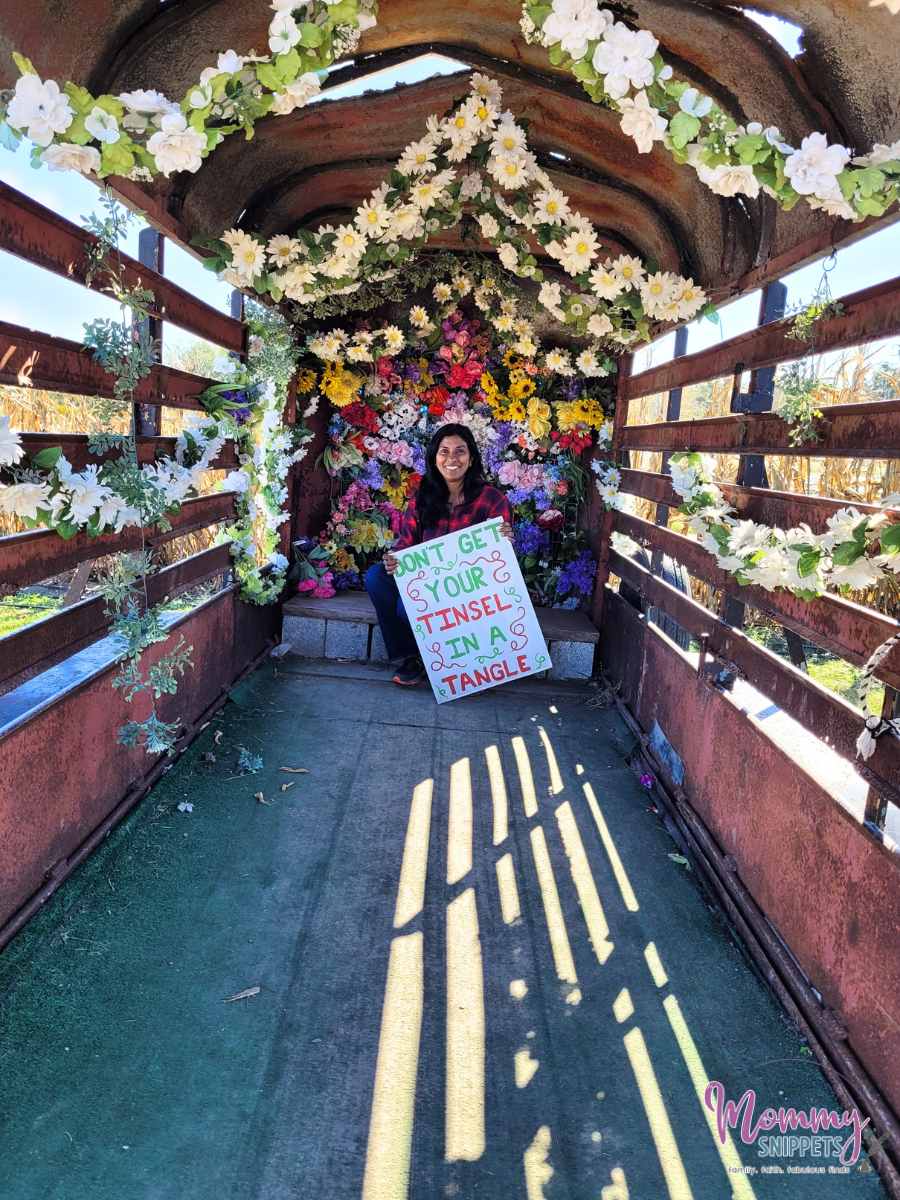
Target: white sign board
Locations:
point(470, 611)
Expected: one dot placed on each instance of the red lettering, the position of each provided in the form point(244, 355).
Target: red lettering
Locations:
point(460, 615)
point(465, 680)
point(487, 607)
point(482, 676)
point(442, 613)
point(427, 618)
point(450, 681)
point(501, 607)
point(522, 661)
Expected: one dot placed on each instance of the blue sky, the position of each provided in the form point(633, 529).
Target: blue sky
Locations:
point(39, 300)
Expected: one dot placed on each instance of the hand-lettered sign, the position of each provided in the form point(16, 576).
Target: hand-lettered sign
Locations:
point(470, 611)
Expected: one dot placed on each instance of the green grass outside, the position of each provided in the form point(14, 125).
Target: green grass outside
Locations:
point(24, 608)
point(827, 669)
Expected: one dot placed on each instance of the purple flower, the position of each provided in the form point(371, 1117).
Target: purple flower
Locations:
point(371, 475)
point(529, 539)
point(578, 575)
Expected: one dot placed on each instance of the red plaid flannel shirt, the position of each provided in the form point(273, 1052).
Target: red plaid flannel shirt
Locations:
point(490, 502)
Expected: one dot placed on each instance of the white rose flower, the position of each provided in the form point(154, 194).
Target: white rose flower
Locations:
point(284, 33)
point(65, 156)
point(176, 146)
point(296, 94)
point(102, 125)
point(11, 450)
point(508, 255)
point(624, 59)
point(729, 179)
point(879, 154)
point(835, 206)
point(41, 109)
point(574, 23)
point(489, 225)
point(599, 325)
point(24, 499)
point(641, 121)
point(147, 102)
point(813, 169)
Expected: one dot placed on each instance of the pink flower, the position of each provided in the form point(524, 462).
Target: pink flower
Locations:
point(324, 591)
point(306, 585)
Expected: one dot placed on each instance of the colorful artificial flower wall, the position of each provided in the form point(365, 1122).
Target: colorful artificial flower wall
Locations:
point(532, 426)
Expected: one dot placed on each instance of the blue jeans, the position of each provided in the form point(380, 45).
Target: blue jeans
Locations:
point(395, 627)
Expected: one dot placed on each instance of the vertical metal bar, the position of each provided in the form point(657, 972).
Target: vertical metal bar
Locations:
point(620, 419)
point(673, 412)
point(151, 253)
point(752, 467)
point(288, 532)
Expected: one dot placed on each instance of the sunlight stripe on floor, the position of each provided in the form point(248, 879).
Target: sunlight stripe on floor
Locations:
point(654, 965)
point(731, 1161)
point(414, 869)
point(465, 1032)
point(394, 1095)
point(654, 1106)
point(612, 853)
point(509, 893)
point(588, 897)
point(536, 1161)
point(556, 925)
point(459, 827)
point(556, 783)
point(526, 780)
point(498, 794)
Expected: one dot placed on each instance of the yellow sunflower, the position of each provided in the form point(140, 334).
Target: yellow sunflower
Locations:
point(520, 386)
point(306, 381)
point(340, 385)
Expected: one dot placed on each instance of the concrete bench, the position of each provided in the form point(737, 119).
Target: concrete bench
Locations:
point(346, 627)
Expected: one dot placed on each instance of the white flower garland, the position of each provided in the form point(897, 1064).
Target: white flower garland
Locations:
point(620, 67)
point(142, 134)
point(797, 560)
point(611, 299)
point(57, 497)
point(367, 345)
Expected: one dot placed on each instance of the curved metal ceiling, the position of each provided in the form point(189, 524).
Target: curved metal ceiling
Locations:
point(321, 161)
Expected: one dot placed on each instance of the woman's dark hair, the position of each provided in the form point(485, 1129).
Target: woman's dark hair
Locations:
point(433, 496)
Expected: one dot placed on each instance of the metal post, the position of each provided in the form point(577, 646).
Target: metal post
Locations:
point(151, 248)
point(752, 467)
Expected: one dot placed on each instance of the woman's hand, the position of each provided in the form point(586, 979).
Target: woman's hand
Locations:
point(391, 562)
point(506, 530)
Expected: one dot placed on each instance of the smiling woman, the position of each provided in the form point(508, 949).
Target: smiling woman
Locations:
point(452, 495)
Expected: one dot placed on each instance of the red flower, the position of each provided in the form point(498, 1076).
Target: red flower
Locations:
point(551, 518)
point(465, 375)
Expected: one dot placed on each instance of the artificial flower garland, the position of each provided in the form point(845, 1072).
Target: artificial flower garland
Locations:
point(621, 68)
point(615, 300)
point(142, 134)
point(798, 560)
point(48, 493)
point(420, 329)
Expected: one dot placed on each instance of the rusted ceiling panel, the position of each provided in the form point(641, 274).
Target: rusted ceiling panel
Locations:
point(339, 188)
point(844, 84)
point(349, 129)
